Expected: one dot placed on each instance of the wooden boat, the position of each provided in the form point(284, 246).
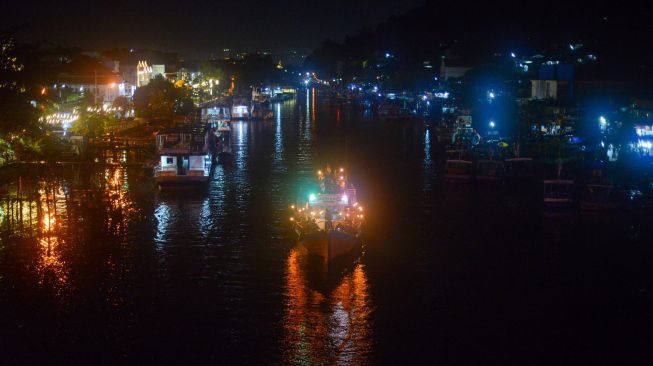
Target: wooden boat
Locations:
point(598, 197)
point(458, 171)
point(519, 170)
point(558, 193)
point(489, 171)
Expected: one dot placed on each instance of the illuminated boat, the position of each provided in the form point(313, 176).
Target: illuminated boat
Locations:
point(329, 223)
point(183, 157)
point(240, 109)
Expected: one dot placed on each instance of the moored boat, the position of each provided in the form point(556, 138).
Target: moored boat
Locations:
point(240, 109)
point(489, 171)
point(458, 171)
point(558, 193)
point(598, 197)
point(183, 157)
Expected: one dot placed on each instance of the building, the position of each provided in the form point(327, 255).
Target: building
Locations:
point(105, 88)
point(555, 81)
point(450, 69)
point(145, 73)
point(549, 89)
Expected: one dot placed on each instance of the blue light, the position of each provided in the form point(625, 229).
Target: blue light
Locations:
point(512, 54)
point(312, 197)
point(492, 124)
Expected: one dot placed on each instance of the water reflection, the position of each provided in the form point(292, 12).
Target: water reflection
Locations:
point(52, 217)
point(327, 319)
point(50, 266)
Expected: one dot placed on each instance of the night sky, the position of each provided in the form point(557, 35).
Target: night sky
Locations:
point(198, 28)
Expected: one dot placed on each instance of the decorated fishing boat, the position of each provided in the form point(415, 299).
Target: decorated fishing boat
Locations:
point(328, 223)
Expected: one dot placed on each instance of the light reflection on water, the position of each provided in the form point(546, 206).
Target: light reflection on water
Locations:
point(140, 276)
point(327, 326)
point(54, 213)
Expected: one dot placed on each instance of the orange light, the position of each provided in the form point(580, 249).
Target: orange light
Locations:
point(43, 91)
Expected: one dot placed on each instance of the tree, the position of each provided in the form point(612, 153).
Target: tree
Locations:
point(16, 112)
point(92, 124)
point(122, 104)
point(160, 100)
point(530, 113)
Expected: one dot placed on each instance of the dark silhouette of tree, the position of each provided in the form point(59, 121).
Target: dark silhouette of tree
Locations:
point(17, 115)
point(160, 100)
point(122, 104)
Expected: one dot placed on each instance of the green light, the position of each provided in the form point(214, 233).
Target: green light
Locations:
point(312, 197)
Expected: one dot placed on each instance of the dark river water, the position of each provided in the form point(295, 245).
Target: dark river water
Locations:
point(98, 267)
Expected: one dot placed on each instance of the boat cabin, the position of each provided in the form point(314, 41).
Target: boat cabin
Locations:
point(240, 109)
point(183, 157)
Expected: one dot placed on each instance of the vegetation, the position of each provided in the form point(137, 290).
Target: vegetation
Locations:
point(93, 124)
point(18, 117)
point(160, 101)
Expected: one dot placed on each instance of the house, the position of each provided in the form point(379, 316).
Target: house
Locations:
point(145, 73)
point(105, 88)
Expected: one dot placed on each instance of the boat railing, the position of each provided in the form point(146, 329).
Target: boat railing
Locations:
point(181, 143)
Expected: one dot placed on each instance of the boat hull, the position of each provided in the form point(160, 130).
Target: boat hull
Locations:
point(329, 245)
point(181, 180)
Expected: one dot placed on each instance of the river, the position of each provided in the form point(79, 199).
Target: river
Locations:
point(99, 267)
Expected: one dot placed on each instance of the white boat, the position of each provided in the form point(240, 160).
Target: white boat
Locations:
point(240, 109)
point(183, 158)
point(328, 224)
point(458, 171)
